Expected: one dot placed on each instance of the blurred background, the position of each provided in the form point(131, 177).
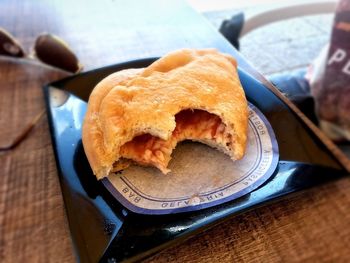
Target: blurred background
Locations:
point(279, 47)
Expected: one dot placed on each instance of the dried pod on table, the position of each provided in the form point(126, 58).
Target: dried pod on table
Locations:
point(9, 46)
point(54, 51)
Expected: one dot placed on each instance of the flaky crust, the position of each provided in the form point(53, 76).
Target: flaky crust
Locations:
point(137, 101)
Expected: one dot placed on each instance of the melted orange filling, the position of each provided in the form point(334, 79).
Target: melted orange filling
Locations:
point(196, 125)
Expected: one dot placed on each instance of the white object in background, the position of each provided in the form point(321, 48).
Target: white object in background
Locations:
point(286, 12)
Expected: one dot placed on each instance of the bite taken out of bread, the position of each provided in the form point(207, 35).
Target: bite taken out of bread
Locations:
point(139, 115)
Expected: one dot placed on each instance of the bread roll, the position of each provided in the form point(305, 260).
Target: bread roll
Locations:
point(139, 115)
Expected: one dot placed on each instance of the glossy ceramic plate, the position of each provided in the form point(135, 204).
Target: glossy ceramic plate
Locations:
point(104, 230)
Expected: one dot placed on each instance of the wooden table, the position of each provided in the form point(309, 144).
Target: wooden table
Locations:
point(312, 226)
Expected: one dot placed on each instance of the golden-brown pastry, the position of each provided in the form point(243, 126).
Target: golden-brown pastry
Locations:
point(140, 115)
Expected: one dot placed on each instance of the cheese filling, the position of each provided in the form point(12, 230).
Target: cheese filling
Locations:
point(196, 125)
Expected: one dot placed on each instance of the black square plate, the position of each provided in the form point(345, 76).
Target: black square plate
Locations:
point(103, 230)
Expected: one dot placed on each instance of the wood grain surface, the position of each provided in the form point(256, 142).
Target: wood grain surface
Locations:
point(33, 226)
point(310, 227)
